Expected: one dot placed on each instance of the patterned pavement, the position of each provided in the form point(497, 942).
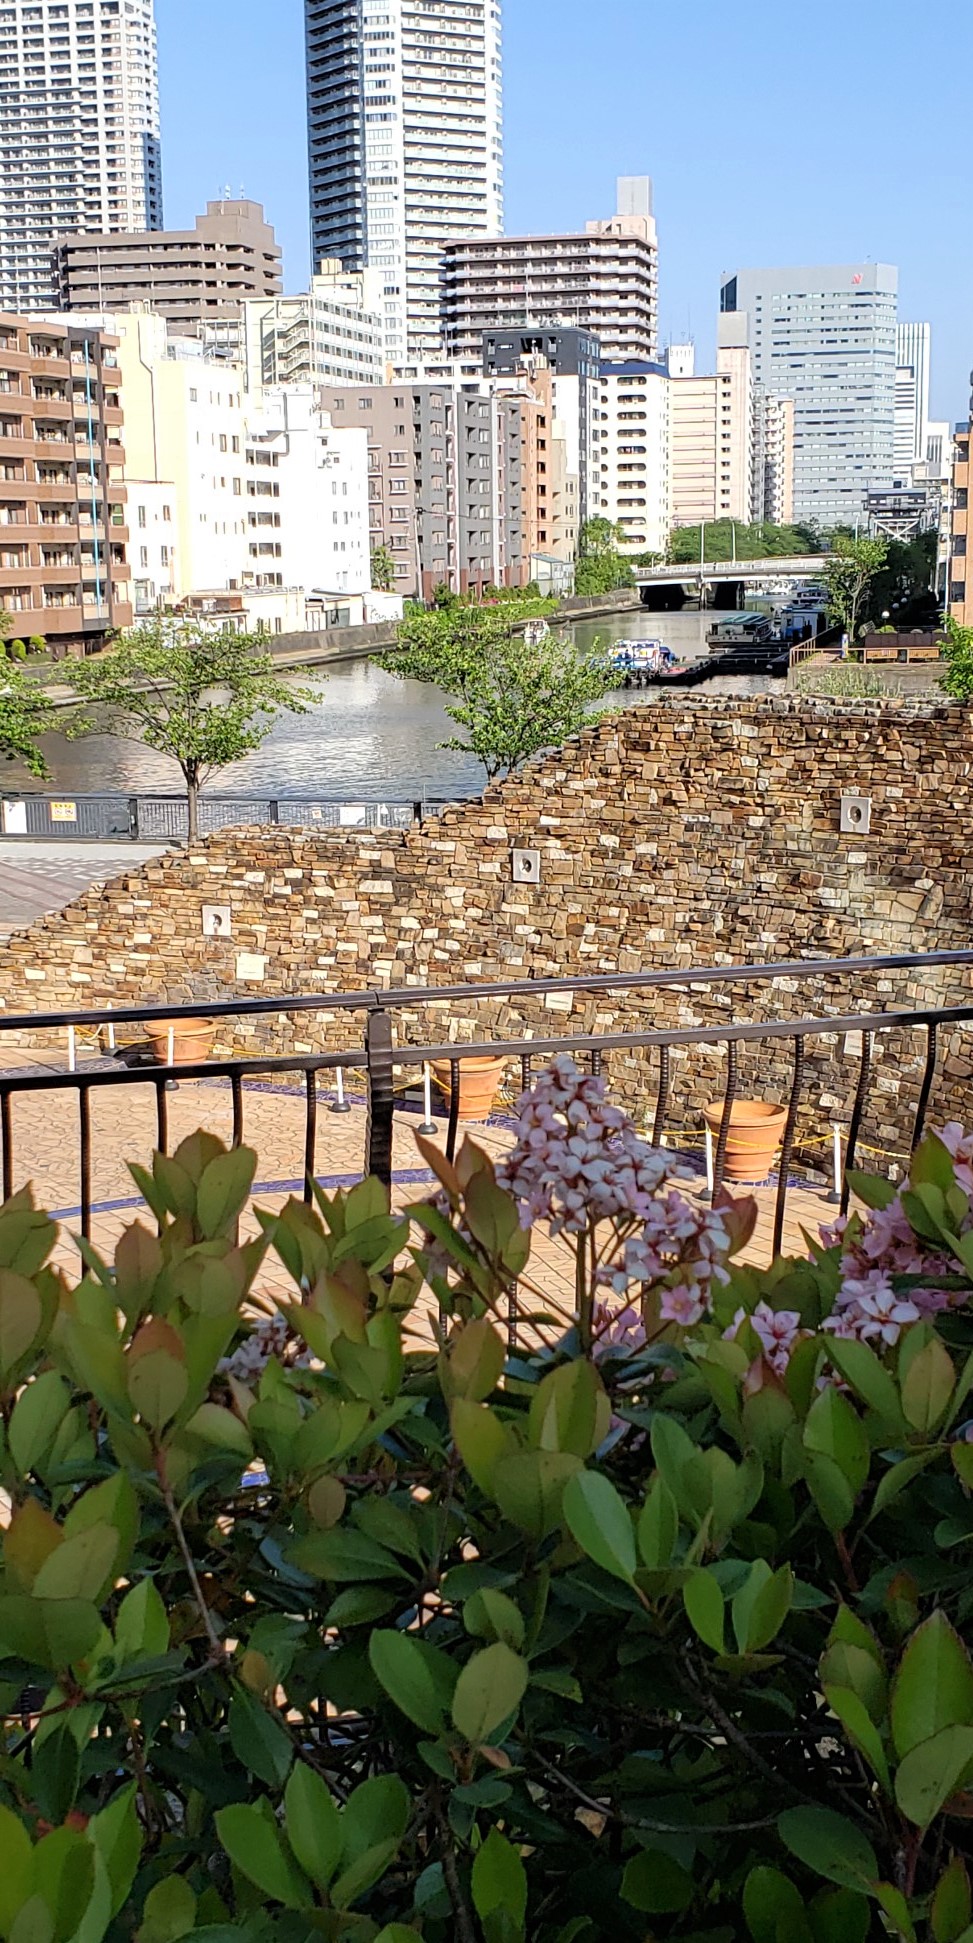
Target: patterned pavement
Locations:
point(46, 1151)
point(39, 878)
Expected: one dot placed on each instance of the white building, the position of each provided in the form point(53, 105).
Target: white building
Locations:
point(332, 334)
point(307, 496)
point(710, 438)
point(826, 337)
point(631, 459)
point(773, 458)
point(405, 145)
point(912, 350)
point(79, 132)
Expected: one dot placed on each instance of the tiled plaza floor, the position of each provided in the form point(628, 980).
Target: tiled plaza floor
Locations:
point(37, 878)
point(46, 1150)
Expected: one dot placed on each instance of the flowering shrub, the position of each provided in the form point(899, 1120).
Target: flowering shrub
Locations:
point(348, 1619)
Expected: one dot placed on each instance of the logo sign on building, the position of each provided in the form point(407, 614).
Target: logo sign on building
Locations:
point(64, 812)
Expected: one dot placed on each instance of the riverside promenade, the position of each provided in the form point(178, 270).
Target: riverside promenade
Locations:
point(37, 879)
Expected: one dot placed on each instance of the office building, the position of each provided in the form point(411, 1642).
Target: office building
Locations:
point(332, 334)
point(826, 337)
point(710, 438)
point(631, 457)
point(603, 281)
point(64, 573)
point(79, 133)
point(405, 145)
point(911, 397)
point(197, 279)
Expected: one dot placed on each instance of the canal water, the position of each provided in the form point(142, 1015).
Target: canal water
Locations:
point(371, 736)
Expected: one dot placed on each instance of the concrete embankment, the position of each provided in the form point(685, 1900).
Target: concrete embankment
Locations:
point(351, 643)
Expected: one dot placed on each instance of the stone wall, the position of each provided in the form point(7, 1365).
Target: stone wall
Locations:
point(678, 834)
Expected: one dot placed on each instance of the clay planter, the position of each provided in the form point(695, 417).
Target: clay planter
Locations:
point(192, 1040)
point(479, 1084)
point(754, 1139)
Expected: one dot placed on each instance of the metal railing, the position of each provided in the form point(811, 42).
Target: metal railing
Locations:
point(789, 1048)
point(162, 819)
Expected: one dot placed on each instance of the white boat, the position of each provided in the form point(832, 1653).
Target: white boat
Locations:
point(642, 657)
point(535, 632)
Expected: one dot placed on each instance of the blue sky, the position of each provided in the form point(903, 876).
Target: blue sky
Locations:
point(773, 133)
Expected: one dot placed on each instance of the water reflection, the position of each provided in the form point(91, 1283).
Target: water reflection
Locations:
point(370, 736)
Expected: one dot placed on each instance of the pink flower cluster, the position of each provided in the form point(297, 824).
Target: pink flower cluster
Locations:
point(578, 1162)
point(777, 1330)
point(883, 1249)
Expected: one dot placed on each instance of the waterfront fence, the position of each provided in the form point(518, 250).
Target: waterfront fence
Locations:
point(165, 819)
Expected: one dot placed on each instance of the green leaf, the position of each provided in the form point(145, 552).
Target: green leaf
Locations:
point(313, 1824)
point(16, 1872)
point(398, 1933)
point(896, 1908)
point(54, 1633)
point(871, 1189)
point(933, 1688)
point(761, 1606)
point(142, 1625)
point(224, 1190)
point(376, 1811)
point(362, 1874)
point(927, 1386)
point(932, 1771)
point(570, 1410)
point(774, 1908)
point(489, 1690)
point(474, 1364)
point(951, 1903)
point(345, 1555)
point(839, 1916)
point(868, 1377)
point(34, 1923)
point(21, 1318)
point(56, 1774)
point(500, 1881)
point(170, 1911)
point(81, 1567)
point(37, 1413)
point(489, 1614)
point(658, 1526)
point(259, 1740)
point(254, 1847)
point(600, 1522)
point(830, 1845)
point(117, 1835)
point(64, 1878)
point(656, 1884)
point(420, 1678)
point(830, 1489)
point(361, 1605)
point(481, 1439)
point(529, 1488)
point(702, 1597)
point(833, 1429)
point(858, 1724)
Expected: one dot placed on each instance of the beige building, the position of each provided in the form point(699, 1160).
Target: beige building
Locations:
point(64, 572)
point(197, 279)
point(603, 280)
point(331, 334)
point(960, 579)
point(710, 441)
point(773, 457)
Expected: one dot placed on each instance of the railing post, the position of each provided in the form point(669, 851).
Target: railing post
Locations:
point(133, 818)
point(381, 1096)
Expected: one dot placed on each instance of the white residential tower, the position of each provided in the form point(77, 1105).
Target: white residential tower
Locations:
point(405, 145)
point(79, 132)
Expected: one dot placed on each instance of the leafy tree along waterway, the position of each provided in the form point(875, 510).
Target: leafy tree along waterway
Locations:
point(370, 737)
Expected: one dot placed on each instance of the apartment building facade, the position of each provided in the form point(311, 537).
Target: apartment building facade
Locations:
point(710, 442)
point(79, 132)
point(198, 280)
point(64, 574)
point(331, 334)
point(631, 456)
point(602, 281)
point(959, 577)
point(405, 145)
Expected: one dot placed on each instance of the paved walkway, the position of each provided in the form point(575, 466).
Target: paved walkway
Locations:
point(37, 878)
point(46, 1151)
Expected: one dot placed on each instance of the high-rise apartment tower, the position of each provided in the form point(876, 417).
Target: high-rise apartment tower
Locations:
point(79, 132)
point(405, 145)
point(826, 337)
point(911, 397)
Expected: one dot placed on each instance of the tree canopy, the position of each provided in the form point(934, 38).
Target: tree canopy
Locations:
point(725, 539)
point(26, 714)
point(510, 697)
point(849, 572)
point(601, 568)
point(383, 570)
point(202, 695)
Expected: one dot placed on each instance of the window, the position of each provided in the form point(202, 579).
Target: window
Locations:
point(142, 517)
point(167, 514)
point(164, 555)
point(223, 442)
point(143, 556)
point(193, 396)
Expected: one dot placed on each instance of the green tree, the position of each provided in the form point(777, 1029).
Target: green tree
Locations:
point(601, 568)
point(204, 697)
point(26, 714)
point(849, 571)
point(509, 699)
point(728, 539)
point(956, 679)
point(383, 570)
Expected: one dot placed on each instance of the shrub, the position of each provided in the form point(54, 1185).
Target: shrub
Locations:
point(322, 1623)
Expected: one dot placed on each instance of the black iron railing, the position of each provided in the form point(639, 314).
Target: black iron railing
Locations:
point(374, 1047)
point(165, 819)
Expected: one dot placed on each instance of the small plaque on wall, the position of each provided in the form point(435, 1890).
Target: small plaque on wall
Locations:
point(527, 866)
point(251, 968)
point(217, 921)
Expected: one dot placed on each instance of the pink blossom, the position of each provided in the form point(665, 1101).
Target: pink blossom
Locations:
point(960, 1145)
point(686, 1306)
point(870, 1309)
point(777, 1331)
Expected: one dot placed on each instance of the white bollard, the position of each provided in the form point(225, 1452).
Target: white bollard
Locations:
point(710, 1160)
point(836, 1166)
point(111, 1030)
point(172, 1046)
point(340, 1104)
point(72, 1050)
point(428, 1126)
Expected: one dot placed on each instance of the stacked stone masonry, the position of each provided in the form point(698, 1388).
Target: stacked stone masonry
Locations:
point(681, 834)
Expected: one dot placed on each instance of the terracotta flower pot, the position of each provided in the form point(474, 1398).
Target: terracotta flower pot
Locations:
point(754, 1139)
point(479, 1084)
point(192, 1040)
